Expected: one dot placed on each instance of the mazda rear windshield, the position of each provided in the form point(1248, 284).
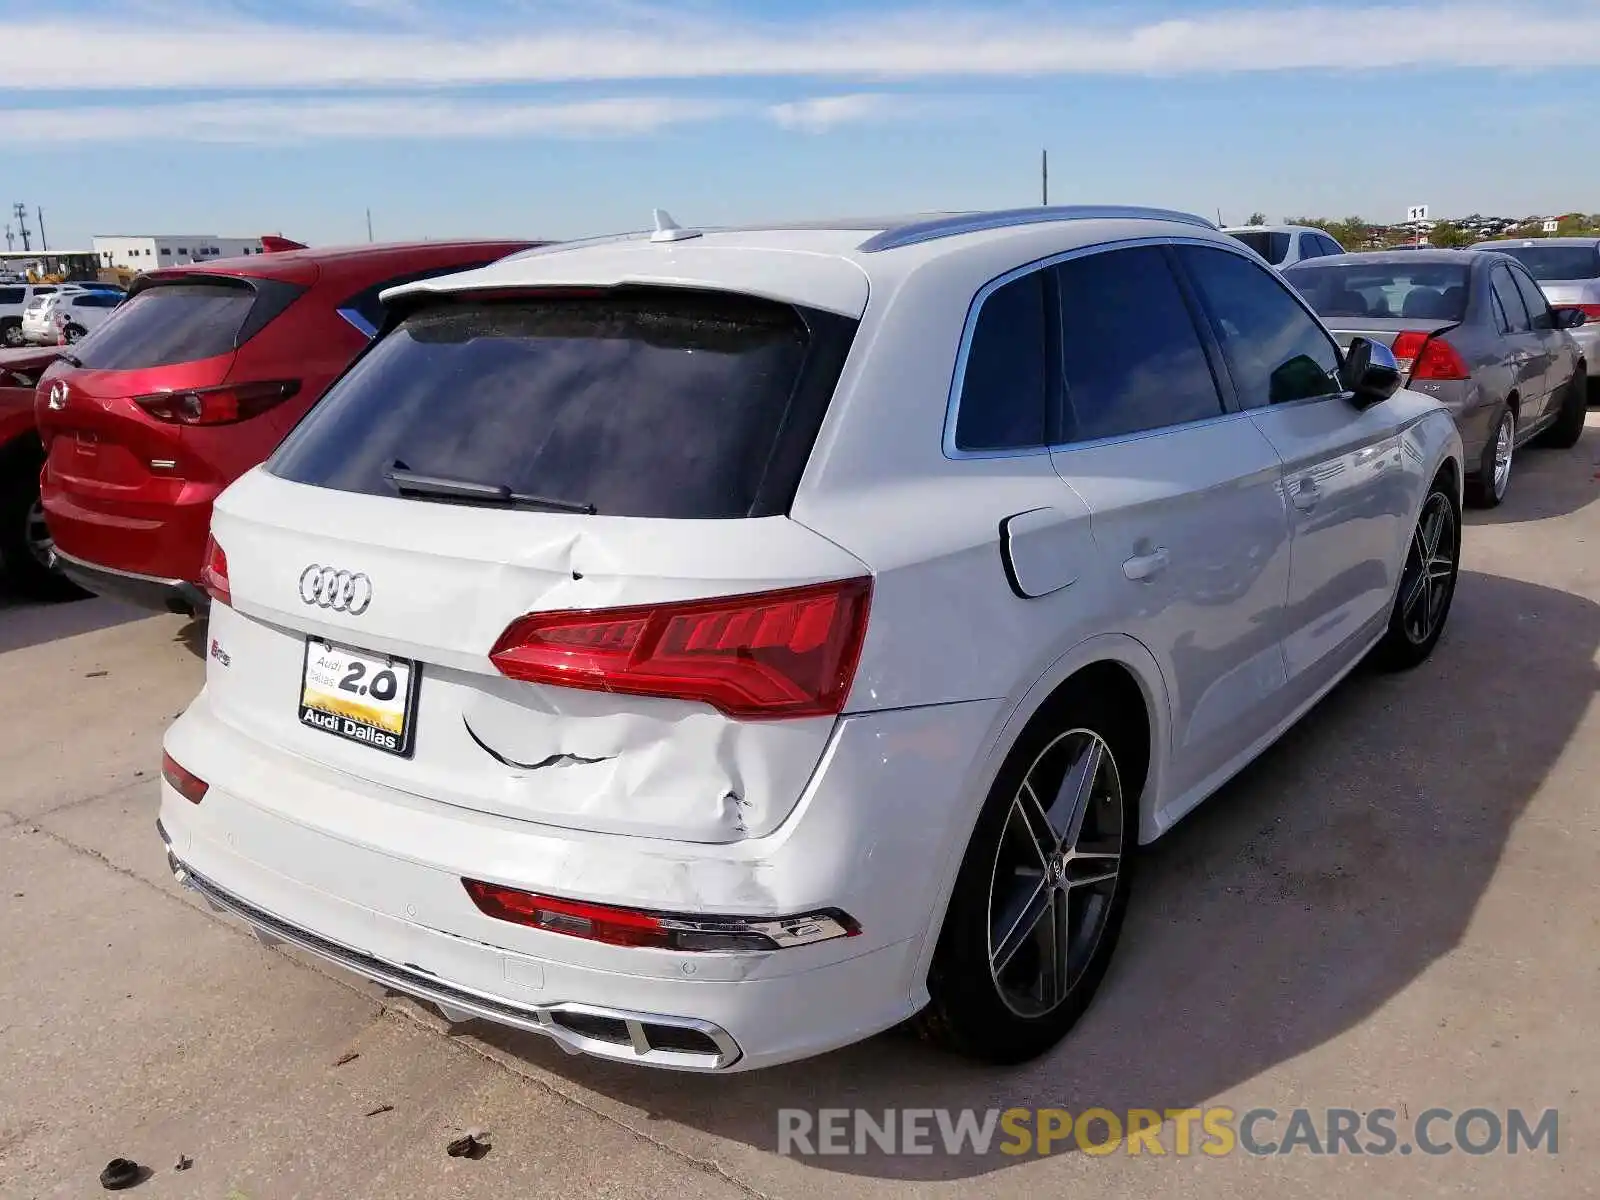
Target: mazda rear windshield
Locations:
point(1379, 291)
point(183, 321)
point(639, 402)
point(1274, 247)
point(1549, 264)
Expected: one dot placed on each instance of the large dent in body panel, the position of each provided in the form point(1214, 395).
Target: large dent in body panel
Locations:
point(592, 760)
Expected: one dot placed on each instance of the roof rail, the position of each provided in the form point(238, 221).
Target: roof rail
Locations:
point(951, 226)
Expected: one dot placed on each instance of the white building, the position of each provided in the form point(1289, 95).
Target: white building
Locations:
point(145, 253)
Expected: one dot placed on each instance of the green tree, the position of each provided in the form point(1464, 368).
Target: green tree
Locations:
point(1447, 235)
point(1257, 219)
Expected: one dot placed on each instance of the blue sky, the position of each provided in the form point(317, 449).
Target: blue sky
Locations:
point(567, 117)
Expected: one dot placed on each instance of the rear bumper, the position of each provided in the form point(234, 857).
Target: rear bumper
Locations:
point(140, 541)
point(370, 879)
point(144, 591)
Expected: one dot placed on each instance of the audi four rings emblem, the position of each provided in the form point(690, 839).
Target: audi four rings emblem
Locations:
point(58, 395)
point(341, 591)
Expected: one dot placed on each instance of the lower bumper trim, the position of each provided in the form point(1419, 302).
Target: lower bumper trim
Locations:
point(145, 591)
point(679, 1043)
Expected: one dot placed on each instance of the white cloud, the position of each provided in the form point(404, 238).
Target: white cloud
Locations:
point(206, 51)
point(818, 114)
point(286, 121)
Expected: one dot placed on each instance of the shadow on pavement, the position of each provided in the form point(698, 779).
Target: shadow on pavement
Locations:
point(193, 637)
point(1302, 897)
point(24, 623)
point(1548, 483)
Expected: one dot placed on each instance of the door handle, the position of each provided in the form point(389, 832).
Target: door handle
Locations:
point(1307, 495)
point(1142, 568)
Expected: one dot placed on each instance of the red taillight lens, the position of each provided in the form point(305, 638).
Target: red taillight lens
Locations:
point(217, 405)
point(661, 931)
point(1592, 311)
point(1429, 356)
point(788, 653)
point(186, 783)
point(214, 575)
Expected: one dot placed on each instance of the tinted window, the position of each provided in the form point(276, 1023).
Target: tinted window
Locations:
point(1131, 357)
point(170, 323)
point(1510, 299)
point(1002, 404)
point(1329, 246)
point(655, 403)
point(12, 295)
point(43, 291)
point(1276, 352)
point(97, 300)
point(1549, 263)
point(1274, 247)
point(1418, 291)
point(1310, 246)
point(1538, 308)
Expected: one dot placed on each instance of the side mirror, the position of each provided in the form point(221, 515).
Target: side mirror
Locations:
point(1569, 317)
point(1370, 373)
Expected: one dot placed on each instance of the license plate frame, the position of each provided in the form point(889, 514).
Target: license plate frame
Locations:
point(359, 722)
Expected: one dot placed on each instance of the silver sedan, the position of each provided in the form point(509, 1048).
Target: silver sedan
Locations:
point(1473, 330)
point(1568, 271)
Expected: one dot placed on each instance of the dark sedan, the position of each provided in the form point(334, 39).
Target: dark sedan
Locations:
point(1473, 330)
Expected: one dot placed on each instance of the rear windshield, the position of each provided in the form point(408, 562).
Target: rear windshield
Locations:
point(650, 403)
point(1274, 247)
point(170, 323)
point(1416, 291)
point(1550, 263)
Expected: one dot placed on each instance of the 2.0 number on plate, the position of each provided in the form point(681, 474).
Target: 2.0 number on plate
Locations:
point(363, 697)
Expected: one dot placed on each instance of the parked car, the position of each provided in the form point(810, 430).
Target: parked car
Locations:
point(1285, 245)
point(1472, 330)
point(73, 314)
point(1568, 272)
point(193, 380)
point(16, 299)
point(573, 664)
point(25, 546)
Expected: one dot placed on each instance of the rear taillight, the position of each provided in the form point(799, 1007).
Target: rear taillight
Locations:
point(214, 575)
point(788, 653)
point(217, 405)
point(1592, 311)
point(1429, 356)
point(661, 931)
point(186, 783)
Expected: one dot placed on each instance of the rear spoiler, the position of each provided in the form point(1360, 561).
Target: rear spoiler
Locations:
point(272, 244)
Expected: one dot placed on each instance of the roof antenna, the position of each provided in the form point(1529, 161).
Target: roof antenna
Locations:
point(668, 230)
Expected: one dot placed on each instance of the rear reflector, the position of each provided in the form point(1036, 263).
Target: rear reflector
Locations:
point(1429, 356)
point(223, 405)
point(789, 653)
point(214, 575)
point(661, 931)
point(186, 783)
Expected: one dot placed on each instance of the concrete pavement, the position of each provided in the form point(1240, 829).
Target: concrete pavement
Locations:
point(1396, 907)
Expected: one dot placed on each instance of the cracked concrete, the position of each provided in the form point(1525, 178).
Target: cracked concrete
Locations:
point(1396, 906)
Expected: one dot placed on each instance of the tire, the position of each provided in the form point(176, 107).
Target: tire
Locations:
point(26, 571)
point(1427, 583)
point(994, 1015)
point(1488, 488)
point(1568, 427)
point(11, 334)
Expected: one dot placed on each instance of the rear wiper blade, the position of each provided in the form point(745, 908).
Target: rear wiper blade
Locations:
point(467, 491)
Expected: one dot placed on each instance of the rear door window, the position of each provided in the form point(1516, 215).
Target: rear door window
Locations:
point(1132, 359)
point(1538, 307)
point(1511, 304)
point(1003, 404)
point(643, 402)
point(1276, 351)
point(170, 323)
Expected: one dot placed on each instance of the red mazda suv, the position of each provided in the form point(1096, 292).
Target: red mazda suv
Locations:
point(193, 381)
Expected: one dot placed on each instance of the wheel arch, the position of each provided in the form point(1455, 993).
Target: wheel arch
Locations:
point(1129, 669)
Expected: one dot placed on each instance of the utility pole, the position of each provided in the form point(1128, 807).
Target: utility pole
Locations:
point(11, 238)
point(369, 224)
point(1044, 177)
point(21, 211)
point(43, 243)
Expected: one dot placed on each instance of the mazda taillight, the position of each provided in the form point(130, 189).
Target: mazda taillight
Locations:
point(186, 783)
point(214, 575)
point(660, 931)
point(221, 405)
point(1429, 356)
point(789, 653)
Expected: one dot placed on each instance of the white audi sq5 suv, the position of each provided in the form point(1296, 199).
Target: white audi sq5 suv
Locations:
point(710, 648)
